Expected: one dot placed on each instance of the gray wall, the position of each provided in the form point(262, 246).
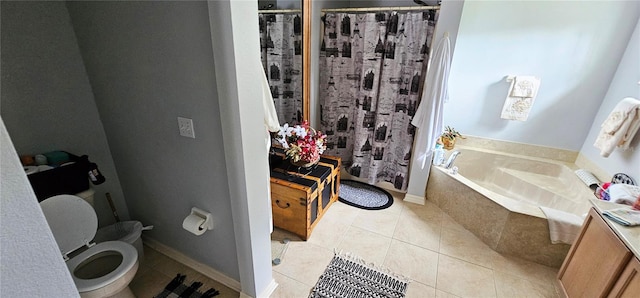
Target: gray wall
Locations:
point(46, 100)
point(625, 83)
point(32, 265)
point(148, 63)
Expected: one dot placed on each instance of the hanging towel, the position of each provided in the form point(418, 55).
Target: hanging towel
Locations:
point(525, 86)
point(563, 226)
point(522, 93)
point(271, 122)
point(428, 117)
point(619, 127)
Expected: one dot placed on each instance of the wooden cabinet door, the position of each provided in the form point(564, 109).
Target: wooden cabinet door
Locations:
point(595, 260)
point(289, 207)
point(628, 285)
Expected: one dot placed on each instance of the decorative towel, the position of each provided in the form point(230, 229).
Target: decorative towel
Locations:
point(522, 93)
point(619, 127)
point(524, 86)
point(563, 226)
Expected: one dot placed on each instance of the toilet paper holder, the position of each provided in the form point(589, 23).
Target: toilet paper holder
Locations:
point(208, 220)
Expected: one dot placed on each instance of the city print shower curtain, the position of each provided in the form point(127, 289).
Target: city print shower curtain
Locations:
point(372, 67)
point(281, 53)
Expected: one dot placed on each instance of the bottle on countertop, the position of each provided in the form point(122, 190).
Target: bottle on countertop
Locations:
point(438, 155)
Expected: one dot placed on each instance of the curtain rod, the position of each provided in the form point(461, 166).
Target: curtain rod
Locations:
point(396, 8)
point(280, 11)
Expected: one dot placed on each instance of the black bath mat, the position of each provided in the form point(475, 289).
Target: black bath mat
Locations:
point(364, 196)
point(177, 289)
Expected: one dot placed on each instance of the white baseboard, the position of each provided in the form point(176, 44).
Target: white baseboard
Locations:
point(195, 265)
point(415, 199)
point(267, 291)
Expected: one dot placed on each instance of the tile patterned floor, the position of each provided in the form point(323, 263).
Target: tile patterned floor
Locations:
point(421, 242)
point(157, 270)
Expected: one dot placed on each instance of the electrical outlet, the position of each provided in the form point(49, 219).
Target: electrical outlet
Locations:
point(186, 127)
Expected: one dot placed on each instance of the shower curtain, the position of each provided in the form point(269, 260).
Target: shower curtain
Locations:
point(281, 54)
point(372, 66)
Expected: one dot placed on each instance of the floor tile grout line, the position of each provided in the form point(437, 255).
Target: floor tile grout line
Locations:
point(527, 278)
point(495, 282)
point(437, 272)
point(413, 244)
point(372, 231)
point(293, 278)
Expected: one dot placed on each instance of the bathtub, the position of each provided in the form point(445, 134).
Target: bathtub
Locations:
point(497, 195)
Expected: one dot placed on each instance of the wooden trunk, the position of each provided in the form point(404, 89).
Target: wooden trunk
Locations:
point(300, 196)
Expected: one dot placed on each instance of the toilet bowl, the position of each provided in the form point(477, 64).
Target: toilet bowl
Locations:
point(101, 270)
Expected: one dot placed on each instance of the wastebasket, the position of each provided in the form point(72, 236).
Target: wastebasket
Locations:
point(127, 231)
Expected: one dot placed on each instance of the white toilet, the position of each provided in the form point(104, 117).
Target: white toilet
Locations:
point(104, 269)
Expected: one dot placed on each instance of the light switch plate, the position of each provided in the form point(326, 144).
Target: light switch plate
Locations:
point(186, 127)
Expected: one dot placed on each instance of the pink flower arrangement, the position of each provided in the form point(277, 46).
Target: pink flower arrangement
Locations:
point(301, 142)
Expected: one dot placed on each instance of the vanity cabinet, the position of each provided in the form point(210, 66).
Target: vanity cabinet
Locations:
point(599, 264)
point(628, 285)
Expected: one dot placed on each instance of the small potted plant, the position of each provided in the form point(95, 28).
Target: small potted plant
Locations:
point(448, 138)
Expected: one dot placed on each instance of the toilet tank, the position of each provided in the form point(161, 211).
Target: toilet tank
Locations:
point(87, 195)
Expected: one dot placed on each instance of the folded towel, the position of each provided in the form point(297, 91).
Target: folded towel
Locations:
point(619, 127)
point(623, 193)
point(624, 216)
point(563, 226)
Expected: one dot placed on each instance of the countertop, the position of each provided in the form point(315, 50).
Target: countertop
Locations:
point(629, 235)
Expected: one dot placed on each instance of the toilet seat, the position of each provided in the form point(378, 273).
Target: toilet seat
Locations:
point(74, 223)
point(129, 259)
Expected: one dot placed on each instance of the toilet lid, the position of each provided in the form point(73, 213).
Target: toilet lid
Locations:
point(72, 221)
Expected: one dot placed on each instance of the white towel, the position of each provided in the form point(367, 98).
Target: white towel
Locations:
point(619, 127)
point(428, 117)
point(271, 122)
point(525, 86)
point(623, 193)
point(563, 226)
point(522, 93)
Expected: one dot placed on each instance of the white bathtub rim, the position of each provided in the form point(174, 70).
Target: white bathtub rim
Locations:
point(507, 203)
point(572, 166)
